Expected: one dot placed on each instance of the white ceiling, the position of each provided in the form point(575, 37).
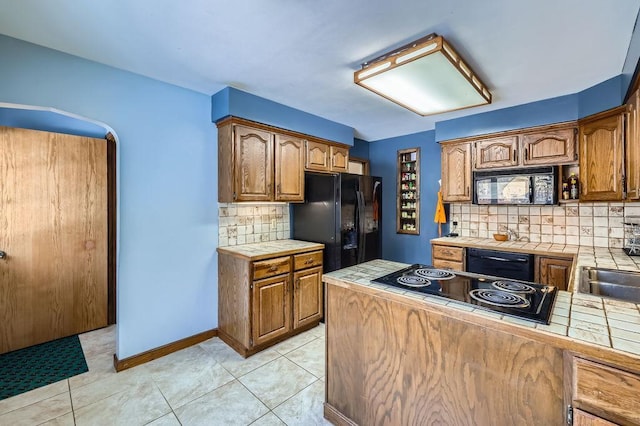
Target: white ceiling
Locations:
point(302, 53)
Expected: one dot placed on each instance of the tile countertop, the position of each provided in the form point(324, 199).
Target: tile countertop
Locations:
point(269, 249)
point(597, 322)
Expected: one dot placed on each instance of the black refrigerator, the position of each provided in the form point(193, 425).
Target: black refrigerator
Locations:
point(344, 212)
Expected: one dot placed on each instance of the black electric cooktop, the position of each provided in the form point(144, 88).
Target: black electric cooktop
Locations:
point(521, 299)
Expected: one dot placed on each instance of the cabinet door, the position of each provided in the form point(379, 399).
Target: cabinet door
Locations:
point(601, 162)
point(289, 169)
point(271, 308)
point(552, 147)
point(553, 271)
point(496, 152)
point(339, 159)
point(307, 297)
point(633, 147)
point(317, 156)
point(253, 165)
point(456, 172)
point(582, 418)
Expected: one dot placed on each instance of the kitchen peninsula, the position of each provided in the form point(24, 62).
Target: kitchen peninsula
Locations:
point(398, 357)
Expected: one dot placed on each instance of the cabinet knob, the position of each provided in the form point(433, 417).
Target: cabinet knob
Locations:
point(3, 255)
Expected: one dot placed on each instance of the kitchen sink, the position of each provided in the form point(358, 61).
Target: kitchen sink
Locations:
point(621, 285)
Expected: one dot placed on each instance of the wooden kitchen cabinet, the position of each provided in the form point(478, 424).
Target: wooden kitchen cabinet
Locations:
point(448, 257)
point(264, 301)
point(289, 168)
point(632, 147)
point(555, 271)
point(251, 157)
point(323, 157)
point(496, 152)
point(600, 394)
point(553, 146)
point(456, 172)
point(601, 146)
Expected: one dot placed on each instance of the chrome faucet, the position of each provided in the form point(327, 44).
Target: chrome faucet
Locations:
point(513, 235)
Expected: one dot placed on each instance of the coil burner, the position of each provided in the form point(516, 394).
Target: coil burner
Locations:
point(513, 286)
point(434, 274)
point(499, 298)
point(413, 281)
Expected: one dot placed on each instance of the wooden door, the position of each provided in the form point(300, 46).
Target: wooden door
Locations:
point(497, 152)
point(253, 164)
point(553, 271)
point(271, 308)
point(317, 156)
point(456, 172)
point(601, 157)
point(550, 147)
point(289, 169)
point(307, 297)
point(53, 228)
point(339, 159)
point(632, 147)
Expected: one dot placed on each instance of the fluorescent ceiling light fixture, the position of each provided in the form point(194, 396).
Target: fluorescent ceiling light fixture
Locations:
point(426, 77)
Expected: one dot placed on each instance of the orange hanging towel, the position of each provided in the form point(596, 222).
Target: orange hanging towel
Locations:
point(440, 216)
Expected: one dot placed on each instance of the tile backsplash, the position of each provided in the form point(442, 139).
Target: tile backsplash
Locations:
point(585, 224)
point(252, 223)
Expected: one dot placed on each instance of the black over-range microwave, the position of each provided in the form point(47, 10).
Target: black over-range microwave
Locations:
point(537, 185)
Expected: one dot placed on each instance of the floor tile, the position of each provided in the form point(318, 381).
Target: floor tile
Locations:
point(66, 420)
point(33, 396)
point(186, 375)
point(304, 408)
point(40, 412)
point(277, 381)
point(268, 419)
point(231, 404)
point(294, 342)
point(310, 357)
point(138, 405)
point(108, 386)
point(234, 362)
point(100, 367)
point(166, 420)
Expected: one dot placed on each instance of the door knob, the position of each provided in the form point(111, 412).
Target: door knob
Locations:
point(3, 255)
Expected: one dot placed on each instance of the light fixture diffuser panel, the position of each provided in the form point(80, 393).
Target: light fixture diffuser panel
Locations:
point(426, 85)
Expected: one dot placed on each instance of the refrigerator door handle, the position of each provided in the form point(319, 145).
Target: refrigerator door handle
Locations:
point(361, 227)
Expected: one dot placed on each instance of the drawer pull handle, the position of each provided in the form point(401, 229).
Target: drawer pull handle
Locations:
point(273, 269)
point(308, 261)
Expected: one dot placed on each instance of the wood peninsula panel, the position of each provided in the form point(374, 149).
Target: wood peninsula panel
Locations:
point(234, 280)
point(392, 363)
point(456, 172)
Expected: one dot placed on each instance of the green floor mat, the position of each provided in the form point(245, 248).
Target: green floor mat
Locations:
point(40, 365)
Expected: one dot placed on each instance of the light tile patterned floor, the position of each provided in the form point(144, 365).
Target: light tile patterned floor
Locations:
point(206, 384)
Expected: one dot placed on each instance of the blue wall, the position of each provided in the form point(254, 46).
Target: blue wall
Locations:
point(383, 158)
point(167, 266)
point(230, 101)
point(360, 149)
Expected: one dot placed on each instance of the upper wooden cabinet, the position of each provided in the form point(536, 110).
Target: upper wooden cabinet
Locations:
point(289, 168)
point(456, 172)
point(324, 157)
point(257, 162)
point(496, 152)
point(632, 149)
point(550, 147)
point(601, 156)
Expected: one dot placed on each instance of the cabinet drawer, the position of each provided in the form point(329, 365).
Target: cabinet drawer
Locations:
point(271, 267)
point(448, 253)
point(448, 264)
point(307, 260)
point(613, 393)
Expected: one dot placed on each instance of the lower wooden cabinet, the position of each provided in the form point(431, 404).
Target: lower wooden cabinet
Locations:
point(555, 271)
point(602, 395)
point(448, 257)
point(265, 301)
